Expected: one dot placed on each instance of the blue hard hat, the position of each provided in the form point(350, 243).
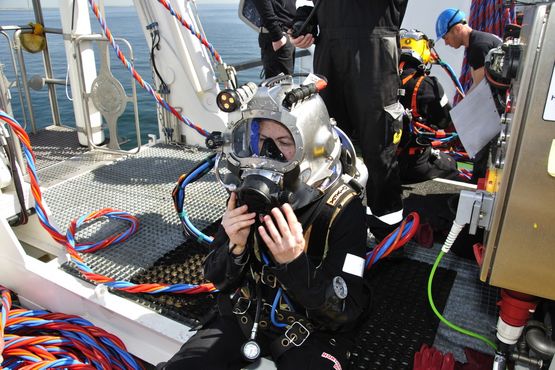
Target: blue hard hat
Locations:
point(447, 19)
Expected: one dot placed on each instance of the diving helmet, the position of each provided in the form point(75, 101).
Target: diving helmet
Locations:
point(281, 148)
point(415, 45)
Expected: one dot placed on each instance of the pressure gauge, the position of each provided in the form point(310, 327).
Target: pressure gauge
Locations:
point(250, 350)
point(339, 287)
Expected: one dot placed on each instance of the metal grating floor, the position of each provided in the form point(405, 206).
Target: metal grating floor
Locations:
point(471, 303)
point(60, 157)
point(141, 185)
point(54, 144)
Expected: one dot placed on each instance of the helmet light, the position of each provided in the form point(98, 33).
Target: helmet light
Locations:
point(230, 100)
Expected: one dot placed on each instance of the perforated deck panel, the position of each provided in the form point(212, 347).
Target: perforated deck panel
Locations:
point(471, 303)
point(141, 185)
point(400, 319)
point(54, 144)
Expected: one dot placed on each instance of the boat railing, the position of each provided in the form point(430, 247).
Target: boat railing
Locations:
point(16, 74)
point(107, 94)
point(21, 79)
point(253, 63)
point(5, 105)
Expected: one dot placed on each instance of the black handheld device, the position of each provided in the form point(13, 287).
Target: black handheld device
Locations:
point(302, 27)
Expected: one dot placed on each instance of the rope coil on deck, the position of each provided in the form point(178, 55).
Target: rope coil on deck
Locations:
point(38, 339)
point(68, 241)
point(395, 240)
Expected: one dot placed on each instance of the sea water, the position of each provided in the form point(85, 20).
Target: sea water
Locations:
point(224, 30)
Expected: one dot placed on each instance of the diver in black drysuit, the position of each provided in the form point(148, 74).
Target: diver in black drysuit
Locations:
point(357, 51)
point(331, 325)
point(418, 161)
point(294, 227)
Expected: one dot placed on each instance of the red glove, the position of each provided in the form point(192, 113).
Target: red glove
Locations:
point(429, 358)
point(476, 360)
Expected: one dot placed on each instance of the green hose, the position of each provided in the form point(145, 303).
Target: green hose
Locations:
point(443, 319)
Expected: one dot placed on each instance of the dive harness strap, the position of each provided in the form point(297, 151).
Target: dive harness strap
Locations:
point(319, 218)
point(296, 332)
point(329, 207)
point(419, 77)
point(295, 335)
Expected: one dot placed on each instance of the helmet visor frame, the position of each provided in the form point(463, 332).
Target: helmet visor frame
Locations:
point(249, 143)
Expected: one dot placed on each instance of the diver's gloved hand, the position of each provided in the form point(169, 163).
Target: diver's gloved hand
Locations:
point(237, 222)
point(429, 358)
point(283, 234)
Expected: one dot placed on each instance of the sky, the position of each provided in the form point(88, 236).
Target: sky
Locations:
point(11, 4)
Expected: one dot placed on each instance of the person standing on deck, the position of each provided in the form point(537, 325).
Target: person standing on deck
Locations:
point(451, 25)
point(276, 50)
point(288, 258)
point(356, 50)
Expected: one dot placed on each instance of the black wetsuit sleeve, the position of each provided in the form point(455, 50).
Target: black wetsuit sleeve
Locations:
point(222, 268)
point(311, 287)
point(433, 104)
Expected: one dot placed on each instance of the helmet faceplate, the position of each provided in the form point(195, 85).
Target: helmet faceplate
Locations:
point(416, 45)
point(315, 164)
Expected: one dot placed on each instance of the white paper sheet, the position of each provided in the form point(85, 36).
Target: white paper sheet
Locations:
point(476, 119)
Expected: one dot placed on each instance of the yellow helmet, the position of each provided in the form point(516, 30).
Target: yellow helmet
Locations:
point(416, 45)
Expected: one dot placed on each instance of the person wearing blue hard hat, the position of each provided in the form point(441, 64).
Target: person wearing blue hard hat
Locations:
point(451, 25)
point(447, 19)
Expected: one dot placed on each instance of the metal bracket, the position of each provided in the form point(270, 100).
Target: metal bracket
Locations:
point(475, 209)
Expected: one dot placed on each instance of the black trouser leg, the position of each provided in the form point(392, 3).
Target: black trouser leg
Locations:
point(216, 347)
point(363, 78)
point(426, 165)
point(276, 62)
point(481, 163)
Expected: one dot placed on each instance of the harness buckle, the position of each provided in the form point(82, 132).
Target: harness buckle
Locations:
point(241, 306)
point(267, 278)
point(297, 334)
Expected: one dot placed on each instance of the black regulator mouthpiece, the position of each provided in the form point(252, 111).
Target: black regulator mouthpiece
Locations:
point(270, 150)
point(261, 194)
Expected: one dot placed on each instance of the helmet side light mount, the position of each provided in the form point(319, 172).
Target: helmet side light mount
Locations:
point(230, 100)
